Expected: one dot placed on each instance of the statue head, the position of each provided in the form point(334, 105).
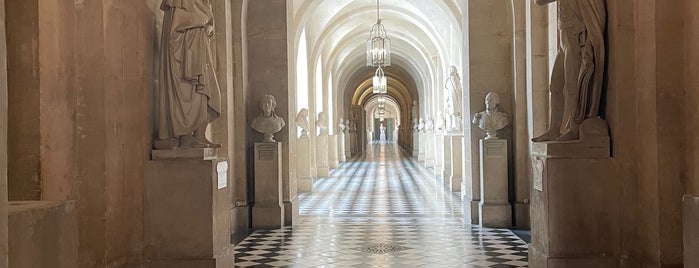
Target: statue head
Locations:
point(492, 100)
point(303, 112)
point(267, 105)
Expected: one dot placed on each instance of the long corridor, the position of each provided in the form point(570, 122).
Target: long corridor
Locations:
point(381, 210)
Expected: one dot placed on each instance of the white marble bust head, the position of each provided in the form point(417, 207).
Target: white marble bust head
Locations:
point(492, 119)
point(302, 121)
point(341, 126)
point(267, 122)
point(322, 123)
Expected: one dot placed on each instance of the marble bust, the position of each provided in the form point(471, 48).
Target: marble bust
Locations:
point(429, 123)
point(302, 122)
point(186, 69)
point(341, 126)
point(267, 122)
point(421, 125)
point(439, 122)
point(492, 119)
point(416, 125)
point(322, 124)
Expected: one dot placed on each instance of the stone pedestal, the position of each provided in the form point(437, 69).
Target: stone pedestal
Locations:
point(430, 150)
point(268, 212)
point(690, 225)
point(423, 146)
point(333, 161)
point(456, 165)
point(445, 142)
point(439, 155)
point(42, 234)
point(416, 144)
point(348, 145)
point(494, 209)
point(322, 167)
point(574, 204)
point(303, 165)
point(187, 213)
point(341, 152)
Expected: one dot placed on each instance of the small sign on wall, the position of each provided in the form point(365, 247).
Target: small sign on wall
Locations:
point(222, 172)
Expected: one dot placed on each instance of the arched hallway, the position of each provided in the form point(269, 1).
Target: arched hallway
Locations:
point(382, 209)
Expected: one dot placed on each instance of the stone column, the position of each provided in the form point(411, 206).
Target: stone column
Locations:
point(303, 162)
point(322, 168)
point(333, 161)
point(494, 210)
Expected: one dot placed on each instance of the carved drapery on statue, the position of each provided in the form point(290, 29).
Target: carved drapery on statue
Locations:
point(452, 100)
point(578, 72)
point(188, 95)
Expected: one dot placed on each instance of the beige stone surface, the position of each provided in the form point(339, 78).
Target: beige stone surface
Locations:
point(690, 226)
point(43, 234)
point(268, 212)
point(322, 165)
point(303, 162)
point(186, 192)
point(455, 165)
point(3, 140)
point(494, 209)
point(333, 161)
point(574, 217)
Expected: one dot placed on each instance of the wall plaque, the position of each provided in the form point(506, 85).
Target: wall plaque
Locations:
point(222, 172)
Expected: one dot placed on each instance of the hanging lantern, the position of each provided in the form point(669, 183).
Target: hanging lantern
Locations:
point(378, 46)
point(379, 82)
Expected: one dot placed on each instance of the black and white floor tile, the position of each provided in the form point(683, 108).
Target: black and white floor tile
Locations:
point(381, 210)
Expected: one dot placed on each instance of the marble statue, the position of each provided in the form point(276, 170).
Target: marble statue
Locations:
point(416, 125)
point(429, 123)
point(188, 96)
point(341, 126)
point(302, 122)
point(578, 72)
point(492, 119)
point(439, 124)
point(452, 100)
point(382, 129)
point(322, 124)
point(421, 125)
point(267, 122)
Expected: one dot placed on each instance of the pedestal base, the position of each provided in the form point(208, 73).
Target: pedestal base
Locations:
point(268, 212)
point(322, 168)
point(494, 215)
point(690, 225)
point(574, 210)
point(187, 214)
point(303, 165)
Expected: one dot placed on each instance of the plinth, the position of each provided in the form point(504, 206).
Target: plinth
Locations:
point(268, 212)
point(575, 202)
point(187, 212)
point(494, 209)
point(423, 147)
point(341, 154)
point(303, 165)
point(416, 144)
point(690, 224)
point(322, 166)
point(456, 162)
point(430, 150)
point(333, 160)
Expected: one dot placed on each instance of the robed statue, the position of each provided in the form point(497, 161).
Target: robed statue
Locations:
point(578, 72)
point(188, 96)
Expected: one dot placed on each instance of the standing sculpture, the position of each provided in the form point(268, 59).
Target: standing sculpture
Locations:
point(302, 122)
point(492, 119)
point(267, 122)
point(452, 100)
point(439, 124)
point(342, 127)
point(429, 123)
point(578, 72)
point(188, 96)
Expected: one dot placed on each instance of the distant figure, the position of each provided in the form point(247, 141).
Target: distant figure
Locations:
point(267, 122)
point(492, 119)
point(452, 100)
point(302, 122)
point(188, 96)
point(578, 73)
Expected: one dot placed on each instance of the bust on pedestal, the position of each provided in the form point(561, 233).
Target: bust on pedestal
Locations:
point(268, 208)
point(303, 154)
point(322, 165)
point(494, 209)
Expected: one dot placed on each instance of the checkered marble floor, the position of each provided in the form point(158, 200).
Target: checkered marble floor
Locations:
point(381, 210)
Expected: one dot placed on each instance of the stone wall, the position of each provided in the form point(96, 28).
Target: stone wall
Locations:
point(692, 94)
point(3, 140)
point(646, 111)
point(93, 94)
